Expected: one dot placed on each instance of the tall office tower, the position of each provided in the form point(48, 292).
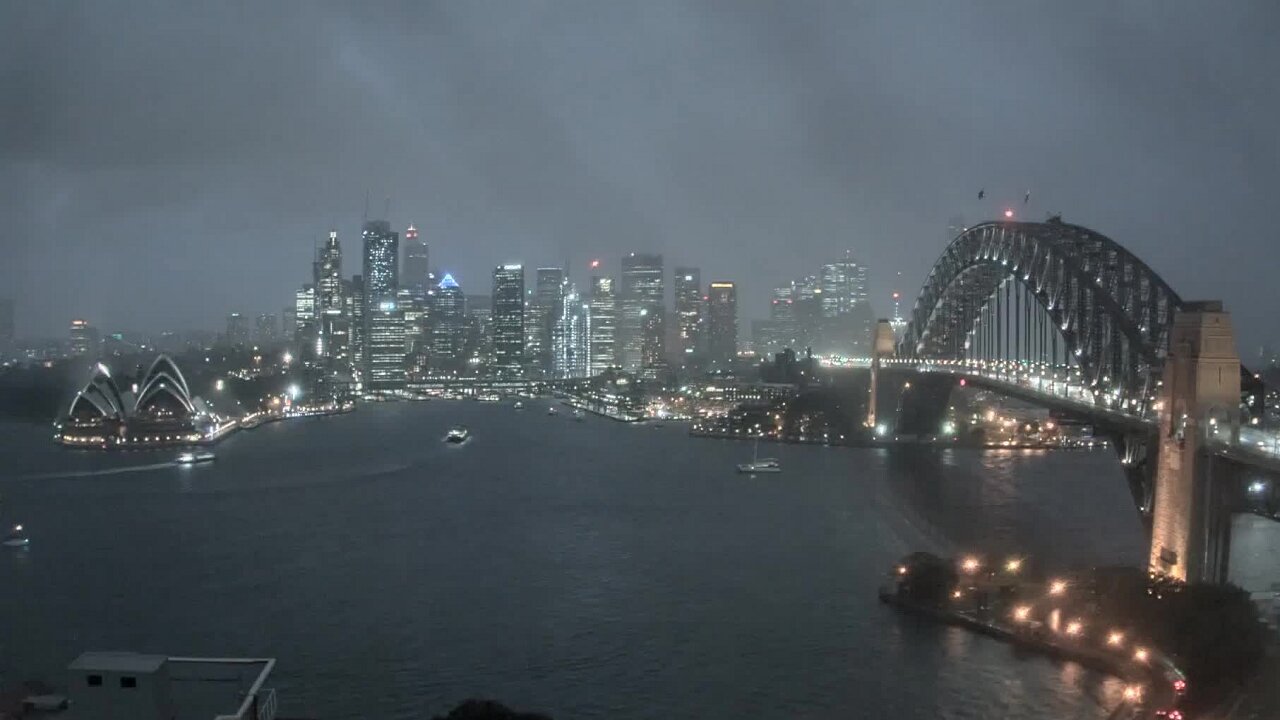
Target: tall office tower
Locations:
point(722, 323)
point(807, 306)
point(417, 263)
point(640, 297)
point(304, 314)
point(543, 322)
point(413, 307)
point(448, 326)
point(381, 272)
point(602, 326)
point(328, 275)
point(688, 306)
point(508, 318)
point(847, 319)
point(779, 331)
point(265, 328)
point(288, 323)
point(569, 338)
point(6, 323)
point(354, 304)
point(385, 347)
point(237, 329)
point(85, 340)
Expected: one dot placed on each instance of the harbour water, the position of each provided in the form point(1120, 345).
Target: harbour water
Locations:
point(583, 569)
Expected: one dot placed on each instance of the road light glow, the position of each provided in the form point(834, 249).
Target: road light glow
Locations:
point(1021, 613)
point(1013, 565)
point(1141, 655)
point(1133, 693)
point(1057, 587)
point(971, 564)
point(1115, 638)
point(1074, 628)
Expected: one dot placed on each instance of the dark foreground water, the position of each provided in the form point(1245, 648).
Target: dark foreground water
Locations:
point(588, 570)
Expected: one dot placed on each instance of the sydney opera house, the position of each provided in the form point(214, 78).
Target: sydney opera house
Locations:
point(157, 410)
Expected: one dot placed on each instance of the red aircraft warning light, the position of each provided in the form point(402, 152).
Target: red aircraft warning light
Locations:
point(1008, 214)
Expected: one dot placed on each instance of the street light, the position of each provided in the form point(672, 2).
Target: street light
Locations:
point(1058, 587)
point(1115, 638)
point(1141, 655)
point(1074, 628)
point(1021, 613)
point(971, 564)
point(1013, 565)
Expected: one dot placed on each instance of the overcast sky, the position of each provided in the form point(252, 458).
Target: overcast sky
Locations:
point(162, 164)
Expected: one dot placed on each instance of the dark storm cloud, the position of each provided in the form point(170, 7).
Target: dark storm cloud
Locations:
point(164, 165)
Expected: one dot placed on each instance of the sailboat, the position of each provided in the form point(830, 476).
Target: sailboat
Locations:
point(759, 464)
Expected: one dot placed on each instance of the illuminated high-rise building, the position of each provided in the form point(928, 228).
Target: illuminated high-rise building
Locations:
point(416, 273)
point(602, 326)
point(640, 309)
point(266, 328)
point(354, 304)
point(847, 319)
point(333, 325)
point(722, 323)
point(383, 356)
point(304, 314)
point(448, 326)
point(543, 319)
point(508, 318)
point(237, 329)
point(85, 340)
point(688, 307)
point(569, 337)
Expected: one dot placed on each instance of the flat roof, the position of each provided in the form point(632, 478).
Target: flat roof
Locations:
point(118, 662)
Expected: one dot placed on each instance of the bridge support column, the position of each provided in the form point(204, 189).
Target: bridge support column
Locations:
point(883, 345)
point(1200, 394)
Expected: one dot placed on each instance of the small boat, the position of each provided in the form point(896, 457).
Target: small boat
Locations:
point(759, 464)
point(552, 410)
point(457, 434)
point(191, 458)
point(519, 405)
point(579, 416)
point(17, 537)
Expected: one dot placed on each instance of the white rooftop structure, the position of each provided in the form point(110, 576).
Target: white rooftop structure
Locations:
point(120, 685)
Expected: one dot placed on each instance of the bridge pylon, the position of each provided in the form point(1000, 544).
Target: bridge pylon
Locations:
point(883, 345)
point(1199, 396)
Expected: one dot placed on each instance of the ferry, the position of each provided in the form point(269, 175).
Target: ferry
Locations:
point(191, 458)
point(552, 410)
point(519, 405)
point(17, 537)
point(457, 434)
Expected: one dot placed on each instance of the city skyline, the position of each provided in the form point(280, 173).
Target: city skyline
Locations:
point(663, 155)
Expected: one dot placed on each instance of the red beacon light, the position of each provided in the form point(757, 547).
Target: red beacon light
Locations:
point(1008, 214)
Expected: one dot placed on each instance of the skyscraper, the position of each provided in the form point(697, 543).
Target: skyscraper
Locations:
point(847, 320)
point(602, 326)
point(544, 316)
point(384, 348)
point(417, 262)
point(266, 328)
point(304, 313)
point(641, 297)
point(333, 328)
point(448, 326)
point(508, 318)
point(569, 337)
point(84, 339)
point(688, 312)
point(722, 323)
point(237, 329)
point(354, 297)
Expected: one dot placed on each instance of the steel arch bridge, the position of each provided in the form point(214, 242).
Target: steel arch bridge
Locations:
point(1112, 312)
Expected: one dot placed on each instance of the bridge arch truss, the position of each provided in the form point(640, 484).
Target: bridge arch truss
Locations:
point(1111, 312)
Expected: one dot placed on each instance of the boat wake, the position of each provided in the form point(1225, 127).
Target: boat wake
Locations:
point(97, 473)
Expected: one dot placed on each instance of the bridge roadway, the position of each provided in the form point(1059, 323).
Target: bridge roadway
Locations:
point(1060, 389)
